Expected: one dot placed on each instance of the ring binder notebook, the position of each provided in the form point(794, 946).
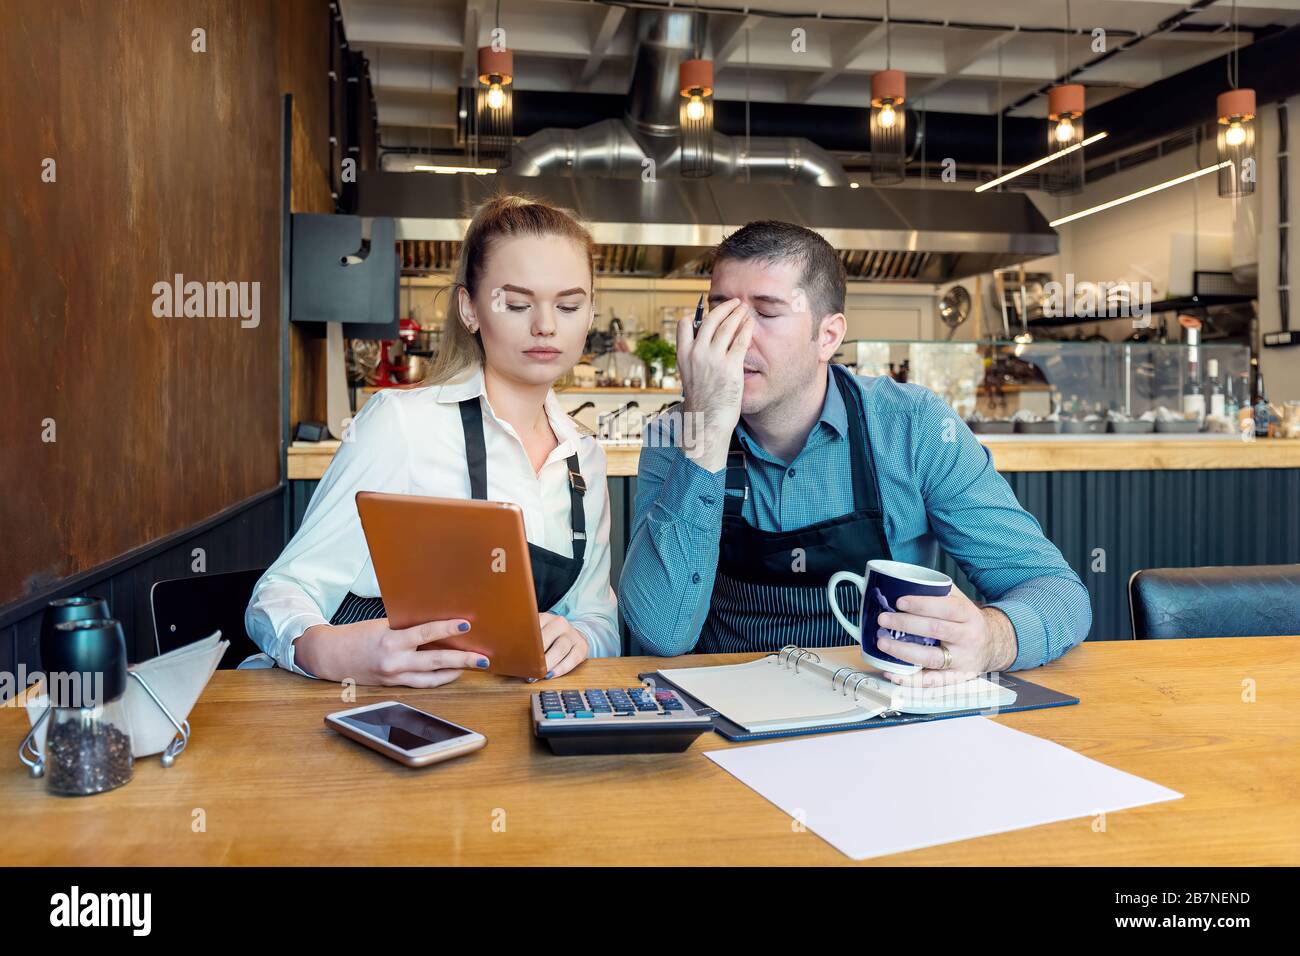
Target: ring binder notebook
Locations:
point(805, 691)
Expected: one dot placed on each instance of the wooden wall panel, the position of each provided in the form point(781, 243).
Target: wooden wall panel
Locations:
point(168, 161)
point(306, 64)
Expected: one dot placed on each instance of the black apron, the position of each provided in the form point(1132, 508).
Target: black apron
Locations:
point(766, 595)
point(553, 574)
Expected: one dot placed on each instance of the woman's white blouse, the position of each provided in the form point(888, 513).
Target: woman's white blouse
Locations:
point(410, 441)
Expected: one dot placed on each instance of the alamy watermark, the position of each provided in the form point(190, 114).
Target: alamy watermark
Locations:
point(76, 689)
point(209, 300)
point(1098, 300)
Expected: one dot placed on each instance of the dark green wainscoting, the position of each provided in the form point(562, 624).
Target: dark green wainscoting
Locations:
point(1108, 524)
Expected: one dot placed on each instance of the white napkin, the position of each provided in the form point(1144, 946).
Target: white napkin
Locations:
point(177, 677)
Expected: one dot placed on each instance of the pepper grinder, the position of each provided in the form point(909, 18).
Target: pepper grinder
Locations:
point(87, 748)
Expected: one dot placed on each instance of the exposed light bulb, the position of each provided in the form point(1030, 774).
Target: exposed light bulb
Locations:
point(496, 97)
point(1235, 135)
point(695, 108)
point(887, 116)
point(1064, 130)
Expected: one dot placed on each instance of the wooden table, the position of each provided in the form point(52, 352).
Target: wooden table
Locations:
point(275, 786)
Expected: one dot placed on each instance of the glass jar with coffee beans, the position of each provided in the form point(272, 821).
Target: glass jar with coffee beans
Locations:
point(87, 748)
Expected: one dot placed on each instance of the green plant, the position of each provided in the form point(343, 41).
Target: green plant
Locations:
point(652, 349)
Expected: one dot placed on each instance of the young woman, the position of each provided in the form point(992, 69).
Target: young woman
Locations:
point(519, 315)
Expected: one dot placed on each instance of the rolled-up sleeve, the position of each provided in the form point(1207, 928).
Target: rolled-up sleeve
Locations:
point(672, 554)
point(998, 544)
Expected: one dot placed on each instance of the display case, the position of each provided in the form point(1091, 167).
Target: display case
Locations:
point(1053, 387)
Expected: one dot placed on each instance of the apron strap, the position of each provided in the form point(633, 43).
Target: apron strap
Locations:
point(577, 516)
point(736, 492)
point(471, 420)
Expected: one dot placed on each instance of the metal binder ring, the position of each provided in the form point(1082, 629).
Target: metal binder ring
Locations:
point(860, 678)
point(836, 675)
point(802, 655)
point(784, 655)
point(856, 686)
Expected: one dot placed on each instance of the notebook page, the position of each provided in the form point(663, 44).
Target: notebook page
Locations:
point(763, 695)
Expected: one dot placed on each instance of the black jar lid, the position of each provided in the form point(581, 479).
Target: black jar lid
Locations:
point(87, 647)
point(82, 607)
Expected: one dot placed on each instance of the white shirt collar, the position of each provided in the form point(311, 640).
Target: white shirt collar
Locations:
point(470, 384)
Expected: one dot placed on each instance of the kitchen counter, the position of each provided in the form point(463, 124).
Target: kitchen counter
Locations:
point(1011, 453)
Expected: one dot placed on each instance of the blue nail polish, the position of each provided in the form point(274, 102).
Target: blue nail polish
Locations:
point(482, 662)
point(463, 626)
point(550, 674)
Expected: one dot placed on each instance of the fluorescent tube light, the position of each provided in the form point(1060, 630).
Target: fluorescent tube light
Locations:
point(1139, 194)
point(475, 170)
point(1039, 162)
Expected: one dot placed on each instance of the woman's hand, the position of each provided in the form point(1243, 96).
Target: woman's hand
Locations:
point(566, 646)
point(370, 652)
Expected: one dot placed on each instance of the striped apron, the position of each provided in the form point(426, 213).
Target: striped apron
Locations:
point(770, 589)
point(553, 574)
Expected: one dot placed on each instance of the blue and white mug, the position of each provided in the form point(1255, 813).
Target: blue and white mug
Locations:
point(884, 584)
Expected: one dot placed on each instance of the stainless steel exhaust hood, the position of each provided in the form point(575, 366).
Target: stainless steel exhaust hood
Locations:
point(667, 228)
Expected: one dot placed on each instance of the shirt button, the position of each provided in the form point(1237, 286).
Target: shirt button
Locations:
point(790, 472)
point(707, 499)
point(695, 578)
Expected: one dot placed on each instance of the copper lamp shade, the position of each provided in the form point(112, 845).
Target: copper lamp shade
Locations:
point(498, 63)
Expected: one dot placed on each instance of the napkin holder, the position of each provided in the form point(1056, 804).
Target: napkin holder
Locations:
point(160, 693)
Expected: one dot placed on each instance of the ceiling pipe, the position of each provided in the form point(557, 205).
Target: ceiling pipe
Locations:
point(620, 148)
point(1166, 25)
point(868, 19)
point(967, 137)
point(1186, 100)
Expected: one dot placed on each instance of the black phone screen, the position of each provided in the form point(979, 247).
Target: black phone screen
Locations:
point(404, 727)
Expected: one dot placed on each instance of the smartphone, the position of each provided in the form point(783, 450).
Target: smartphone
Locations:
point(410, 736)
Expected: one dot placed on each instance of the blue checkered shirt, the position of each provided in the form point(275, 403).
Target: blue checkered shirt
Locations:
point(938, 487)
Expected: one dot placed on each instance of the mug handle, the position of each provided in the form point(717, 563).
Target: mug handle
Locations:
point(861, 584)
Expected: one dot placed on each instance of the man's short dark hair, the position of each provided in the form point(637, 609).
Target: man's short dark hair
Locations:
point(770, 240)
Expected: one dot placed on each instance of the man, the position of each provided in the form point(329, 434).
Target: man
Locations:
point(788, 469)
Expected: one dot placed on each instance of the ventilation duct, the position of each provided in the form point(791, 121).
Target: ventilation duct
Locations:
point(620, 148)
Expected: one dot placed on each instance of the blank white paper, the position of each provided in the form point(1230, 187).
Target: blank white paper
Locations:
point(873, 792)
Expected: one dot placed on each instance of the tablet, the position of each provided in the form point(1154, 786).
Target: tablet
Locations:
point(437, 559)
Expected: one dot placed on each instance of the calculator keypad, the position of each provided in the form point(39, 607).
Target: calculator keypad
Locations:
point(609, 702)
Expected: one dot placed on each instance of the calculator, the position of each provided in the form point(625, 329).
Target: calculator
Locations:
point(616, 720)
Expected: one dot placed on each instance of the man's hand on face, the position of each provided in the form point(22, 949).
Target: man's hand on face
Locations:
point(711, 362)
point(980, 639)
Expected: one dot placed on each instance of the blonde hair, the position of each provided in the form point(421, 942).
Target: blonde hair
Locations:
point(499, 217)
